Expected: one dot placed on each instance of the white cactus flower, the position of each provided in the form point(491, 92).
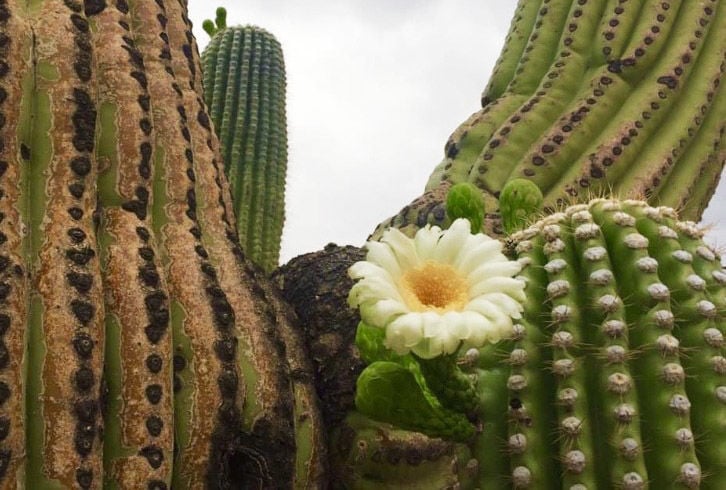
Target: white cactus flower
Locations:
point(438, 291)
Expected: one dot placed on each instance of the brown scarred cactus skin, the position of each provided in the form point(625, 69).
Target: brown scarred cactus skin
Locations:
point(138, 346)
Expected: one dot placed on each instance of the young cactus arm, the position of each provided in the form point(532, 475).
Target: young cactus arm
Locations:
point(520, 202)
point(245, 88)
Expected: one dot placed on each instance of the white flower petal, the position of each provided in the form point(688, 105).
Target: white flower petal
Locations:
point(489, 269)
point(402, 247)
point(425, 242)
point(500, 320)
point(452, 242)
point(382, 255)
point(381, 313)
point(505, 303)
point(497, 284)
point(481, 252)
point(373, 288)
point(403, 333)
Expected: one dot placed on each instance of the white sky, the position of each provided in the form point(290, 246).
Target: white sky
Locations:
point(374, 89)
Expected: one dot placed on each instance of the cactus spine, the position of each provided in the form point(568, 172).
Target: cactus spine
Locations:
point(244, 85)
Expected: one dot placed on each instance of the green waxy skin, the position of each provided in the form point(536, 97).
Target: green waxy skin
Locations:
point(628, 87)
point(525, 15)
point(615, 372)
point(244, 82)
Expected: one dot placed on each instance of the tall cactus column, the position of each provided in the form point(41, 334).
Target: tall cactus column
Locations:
point(138, 347)
point(244, 86)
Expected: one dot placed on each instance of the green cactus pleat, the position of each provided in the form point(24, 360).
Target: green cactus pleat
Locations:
point(245, 88)
point(650, 103)
point(529, 412)
point(610, 104)
point(523, 20)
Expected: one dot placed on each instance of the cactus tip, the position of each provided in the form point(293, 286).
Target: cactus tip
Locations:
point(209, 27)
point(221, 19)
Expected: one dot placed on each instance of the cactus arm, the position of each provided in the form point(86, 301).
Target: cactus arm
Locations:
point(220, 18)
point(650, 102)
point(663, 398)
point(700, 328)
point(525, 16)
point(555, 86)
point(15, 306)
point(225, 112)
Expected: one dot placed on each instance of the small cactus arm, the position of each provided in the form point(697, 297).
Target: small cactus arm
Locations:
point(590, 98)
point(244, 86)
point(139, 348)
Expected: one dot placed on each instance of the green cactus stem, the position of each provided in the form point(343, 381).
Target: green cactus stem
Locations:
point(244, 86)
point(614, 377)
point(597, 98)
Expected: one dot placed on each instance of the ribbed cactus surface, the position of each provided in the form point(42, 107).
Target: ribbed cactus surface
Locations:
point(138, 349)
point(244, 87)
point(615, 376)
point(598, 96)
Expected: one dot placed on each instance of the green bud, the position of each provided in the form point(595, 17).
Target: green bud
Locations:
point(221, 19)
point(209, 27)
point(465, 200)
point(519, 201)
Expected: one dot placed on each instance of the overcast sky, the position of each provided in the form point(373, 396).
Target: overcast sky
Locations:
point(374, 89)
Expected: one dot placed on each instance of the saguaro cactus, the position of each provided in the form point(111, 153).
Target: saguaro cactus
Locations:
point(139, 348)
point(244, 87)
point(615, 375)
point(591, 97)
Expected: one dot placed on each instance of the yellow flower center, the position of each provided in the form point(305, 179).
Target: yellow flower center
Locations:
point(435, 286)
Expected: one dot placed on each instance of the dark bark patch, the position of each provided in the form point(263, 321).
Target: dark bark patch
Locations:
point(153, 393)
point(154, 363)
point(83, 345)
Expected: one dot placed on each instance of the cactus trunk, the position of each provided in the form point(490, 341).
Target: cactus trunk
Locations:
point(139, 347)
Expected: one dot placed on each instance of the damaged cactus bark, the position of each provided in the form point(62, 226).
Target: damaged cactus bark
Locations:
point(139, 348)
